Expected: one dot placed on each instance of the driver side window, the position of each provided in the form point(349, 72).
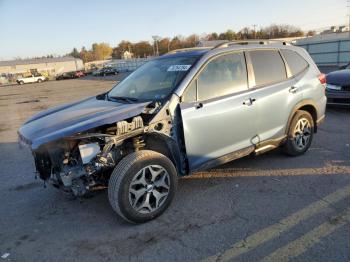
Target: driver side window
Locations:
point(226, 74)
point(223, 75)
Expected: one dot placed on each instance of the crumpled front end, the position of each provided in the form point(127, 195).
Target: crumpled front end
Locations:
point(83, 162)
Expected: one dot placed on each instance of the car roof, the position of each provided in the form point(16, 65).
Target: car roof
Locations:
point(191, 52)
point(227, 46)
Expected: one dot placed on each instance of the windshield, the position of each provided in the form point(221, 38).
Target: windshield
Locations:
point(154, 80)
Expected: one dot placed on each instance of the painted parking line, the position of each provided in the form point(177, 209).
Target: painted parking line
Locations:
point(281, 226)
point(246, 172)
point(300, 245)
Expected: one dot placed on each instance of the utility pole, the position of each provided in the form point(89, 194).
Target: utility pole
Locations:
point(254, 26)
point(156, 39)
point(169, 43)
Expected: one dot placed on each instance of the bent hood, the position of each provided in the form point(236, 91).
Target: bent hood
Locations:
point(69, 119)
point(340, 77)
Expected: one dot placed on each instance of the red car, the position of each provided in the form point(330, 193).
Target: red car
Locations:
point(70, 75)
point(79, 74)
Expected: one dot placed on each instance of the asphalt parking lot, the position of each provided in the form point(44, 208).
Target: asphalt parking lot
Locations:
point(271, 207)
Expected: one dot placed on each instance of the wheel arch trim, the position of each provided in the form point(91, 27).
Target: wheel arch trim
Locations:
point(302, 105)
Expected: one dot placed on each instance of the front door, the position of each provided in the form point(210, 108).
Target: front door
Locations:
point(217, 112)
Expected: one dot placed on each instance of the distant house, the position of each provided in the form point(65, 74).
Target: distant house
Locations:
point(127, 55)
point(45, 66)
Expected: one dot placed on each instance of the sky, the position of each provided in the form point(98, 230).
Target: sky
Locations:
point(37, 28)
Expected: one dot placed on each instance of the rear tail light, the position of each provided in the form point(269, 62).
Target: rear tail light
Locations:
point(322, 78)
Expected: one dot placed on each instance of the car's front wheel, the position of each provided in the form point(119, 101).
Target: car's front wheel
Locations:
point(142, 186)
point(39, 80)
point(300, 134)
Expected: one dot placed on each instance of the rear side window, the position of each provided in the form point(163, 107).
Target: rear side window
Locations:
point(295, 62)
point(223, 75)
point(268, 66)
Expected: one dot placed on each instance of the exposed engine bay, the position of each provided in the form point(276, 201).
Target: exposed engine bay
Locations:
point(83, 162)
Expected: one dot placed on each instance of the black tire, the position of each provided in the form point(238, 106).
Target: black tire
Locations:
point(291, 147)
point(123, 175)
point(39, 80)
point(20, 82)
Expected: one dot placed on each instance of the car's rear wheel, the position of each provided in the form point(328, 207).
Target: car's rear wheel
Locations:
point(300, 134)
point(39, 80)
point(142, 186)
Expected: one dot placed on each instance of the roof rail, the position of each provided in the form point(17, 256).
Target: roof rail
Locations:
point(186, 50)
point(251, 42)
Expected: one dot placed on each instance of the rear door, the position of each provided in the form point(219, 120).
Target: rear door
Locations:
point(274, 92)
point(217, 115)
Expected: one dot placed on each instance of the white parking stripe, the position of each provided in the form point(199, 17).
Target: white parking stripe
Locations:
point(300, 245)
point(280, 227)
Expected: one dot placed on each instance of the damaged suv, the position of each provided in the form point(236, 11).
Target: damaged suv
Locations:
point(183, 112)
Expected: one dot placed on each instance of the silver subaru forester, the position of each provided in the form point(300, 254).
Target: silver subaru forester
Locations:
point(183, 112)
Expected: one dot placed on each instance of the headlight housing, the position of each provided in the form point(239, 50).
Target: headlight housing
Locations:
point(333, 87)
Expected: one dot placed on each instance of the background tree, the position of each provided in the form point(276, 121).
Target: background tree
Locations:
point(230, 35)
point(101, 51)
point(164, 46)
point(311, 33)
point(192, 40)
point(75, 53)
point(86, 56)
point(116, 53)
point(175, 43)
point(213, 36)
point(142, 49)
point(125, 46)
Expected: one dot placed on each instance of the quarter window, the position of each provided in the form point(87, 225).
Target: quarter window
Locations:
point(190, 95)
point(223, 75)
point(268, 66)
point(295, 62)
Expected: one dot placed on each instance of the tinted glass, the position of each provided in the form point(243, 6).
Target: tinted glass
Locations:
point(268, 66)
point(295, 62)
point(154, 80)
point(223, 75)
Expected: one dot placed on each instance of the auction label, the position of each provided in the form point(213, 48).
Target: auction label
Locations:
point(173, 68)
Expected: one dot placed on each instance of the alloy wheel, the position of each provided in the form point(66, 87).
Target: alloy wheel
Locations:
point(149, 189)
point(302, 133)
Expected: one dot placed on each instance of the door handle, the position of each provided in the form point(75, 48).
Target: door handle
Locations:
point(249, 102)
point(198, 105)
point(293, 89)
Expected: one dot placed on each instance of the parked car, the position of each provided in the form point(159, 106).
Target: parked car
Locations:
point(106, 71)
point(79, 74)
point(96, 72)
point(31, 79)
point(338, 87)
point(183, 112)
point(70, 75)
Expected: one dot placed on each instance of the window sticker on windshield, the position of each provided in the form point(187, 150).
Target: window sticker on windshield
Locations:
point(173, 68)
